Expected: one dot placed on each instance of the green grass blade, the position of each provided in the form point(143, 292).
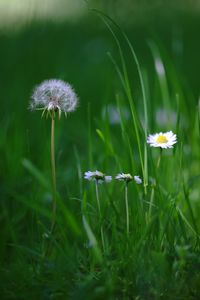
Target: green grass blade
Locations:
point(92, 240)
point(127, 87)
point(144, 162)
point(36, 173)
point(187, 222)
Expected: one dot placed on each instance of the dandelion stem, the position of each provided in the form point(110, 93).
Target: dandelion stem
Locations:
point(99, 209)
point(127, 209)
point(53, 171)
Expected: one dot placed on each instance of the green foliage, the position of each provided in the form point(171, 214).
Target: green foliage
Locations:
point(159, 258)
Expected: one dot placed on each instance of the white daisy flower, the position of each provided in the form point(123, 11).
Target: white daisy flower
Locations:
point(98, 176)
point(54, 95)
point(124, 177)
point(162, 140)
point(137, 179)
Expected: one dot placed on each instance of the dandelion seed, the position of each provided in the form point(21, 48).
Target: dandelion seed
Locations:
point(98, 176)
point(162, 140)
point(137, 179)
point(54, 96)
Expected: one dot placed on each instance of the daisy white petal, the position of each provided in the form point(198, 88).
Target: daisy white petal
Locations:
point(108, 178)
point(137, 179)
point(89, 175)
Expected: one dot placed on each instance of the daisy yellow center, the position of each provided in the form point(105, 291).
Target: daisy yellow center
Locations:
point(161, 139)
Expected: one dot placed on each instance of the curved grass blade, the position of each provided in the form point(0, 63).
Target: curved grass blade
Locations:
point(126, 83)
point(92, 240)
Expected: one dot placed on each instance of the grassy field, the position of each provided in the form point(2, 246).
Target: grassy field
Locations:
point(129, 85)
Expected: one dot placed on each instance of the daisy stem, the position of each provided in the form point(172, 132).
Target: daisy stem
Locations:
point(99, 209)
point(159, 159)
point(53, 171)
point(153, 187)
point(127, 209)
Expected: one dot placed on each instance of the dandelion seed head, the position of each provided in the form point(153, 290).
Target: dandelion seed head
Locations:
point(162, 140)
point(54, 95)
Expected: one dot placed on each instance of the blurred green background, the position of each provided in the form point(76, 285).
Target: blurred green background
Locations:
point(64, 39)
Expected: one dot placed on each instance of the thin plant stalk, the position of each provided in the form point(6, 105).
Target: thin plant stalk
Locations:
point(53, 171)
point(159, 159)
point(154, 184)
point(53, 175)
point(127, 209)
point(99, 209)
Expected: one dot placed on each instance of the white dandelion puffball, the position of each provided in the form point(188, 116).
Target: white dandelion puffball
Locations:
point(162, 140)
point(98, 176)
point(54, 95)
point(137, 179)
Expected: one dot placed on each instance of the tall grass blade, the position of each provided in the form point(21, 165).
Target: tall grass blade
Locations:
point(36, 173)
point(92, 240)
point(126, 83)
